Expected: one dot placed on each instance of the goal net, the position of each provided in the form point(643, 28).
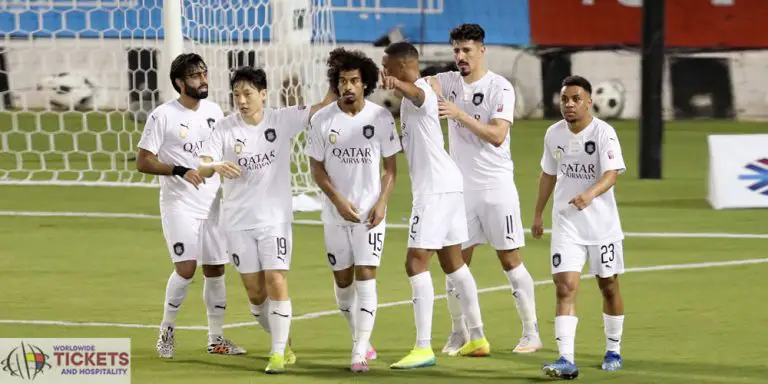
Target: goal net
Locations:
point(78, 77)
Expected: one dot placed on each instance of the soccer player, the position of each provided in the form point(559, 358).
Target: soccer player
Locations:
point(480, 107)
point(169, 147)
point(437, 223)
point(348, 140)
point(252, 150)
point(581, 161)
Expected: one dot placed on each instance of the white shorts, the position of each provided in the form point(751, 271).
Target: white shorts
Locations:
point(604, 260)
point(437, 221)
point(493, 216)
point(261, 249)
point(189, 238)
point(348, 245)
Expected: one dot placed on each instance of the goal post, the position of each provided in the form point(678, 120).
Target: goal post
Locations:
point(83, 76)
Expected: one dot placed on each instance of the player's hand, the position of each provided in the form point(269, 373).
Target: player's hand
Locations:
point(537, 229)
point(387, 82)
point(227, 169)
point(194, 178)
point(582, 200)
point(448, 110)
point(348, 211)
point(376, 215)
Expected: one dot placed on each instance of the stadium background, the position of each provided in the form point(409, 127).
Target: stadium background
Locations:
point(82, 261)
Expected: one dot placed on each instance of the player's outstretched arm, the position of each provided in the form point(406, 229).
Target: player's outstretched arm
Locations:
point(409, 90)
point(147, 162)
point(208, 168)
point(546, 186)
point(330, 97)
point(494, 133)
point(323, 181)
point(605, 183)
point(388, 177)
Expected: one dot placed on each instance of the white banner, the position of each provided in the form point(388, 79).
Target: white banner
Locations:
point(60, 361)
point(738, 171)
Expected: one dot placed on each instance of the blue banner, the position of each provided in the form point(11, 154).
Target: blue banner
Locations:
point(505, 21)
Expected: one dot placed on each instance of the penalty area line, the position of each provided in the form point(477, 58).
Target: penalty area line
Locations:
point(314, 315)
point(117, 215)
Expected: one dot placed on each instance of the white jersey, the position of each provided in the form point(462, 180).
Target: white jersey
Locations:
point(261, 196)
point(177, 135)
point(492, 97)
point(351, 148)
point(579, 161)
point(431, 168)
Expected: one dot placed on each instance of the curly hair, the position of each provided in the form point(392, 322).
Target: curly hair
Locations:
point(341, 60)
point(466, 32)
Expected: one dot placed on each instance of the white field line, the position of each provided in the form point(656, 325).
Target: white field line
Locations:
point(107, 215)
point(314, 315)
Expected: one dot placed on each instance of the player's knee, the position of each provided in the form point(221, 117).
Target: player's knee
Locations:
point(213, 270)
point(257, 294)
point(566, 290)
point(609, 287)
point(466, 255)
point(186, 269)
point(365, 272)
point(509, 258)
point(277, 285)
point(416, 261)
point(345, 277)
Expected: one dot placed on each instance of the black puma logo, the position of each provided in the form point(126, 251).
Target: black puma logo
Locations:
point(367, 311)
point(174, 305)
point(279, 314)
point(562, 148)
point(220, 306)
point(344, 309)
point(614, 340)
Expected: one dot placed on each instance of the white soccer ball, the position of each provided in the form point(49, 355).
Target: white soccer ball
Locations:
point(387, 99)
point(608, 100)
point(68, 91)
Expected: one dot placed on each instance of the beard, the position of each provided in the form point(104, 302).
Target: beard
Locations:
point(195, 93)
point(349, 98)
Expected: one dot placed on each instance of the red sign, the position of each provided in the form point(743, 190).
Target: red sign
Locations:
point(689, 23)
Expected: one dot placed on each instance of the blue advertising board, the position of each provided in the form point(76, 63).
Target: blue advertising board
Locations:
point(505, 21)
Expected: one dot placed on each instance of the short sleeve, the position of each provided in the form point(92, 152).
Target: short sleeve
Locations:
point(293, 119)
point(611, 158)
point(503, 103)
point(152, 136)
point(429, 105)
point(315, 145)
point(389, 141)
point(214, 146)
point(548, 160)
point(445, 79)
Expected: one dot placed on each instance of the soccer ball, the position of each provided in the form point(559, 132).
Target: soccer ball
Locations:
point(608, 100)
point(68, 91)
point(387, 99)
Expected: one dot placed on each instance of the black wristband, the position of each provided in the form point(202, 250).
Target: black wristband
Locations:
point(178, 170)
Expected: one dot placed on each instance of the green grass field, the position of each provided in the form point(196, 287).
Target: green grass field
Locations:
point(683, 324)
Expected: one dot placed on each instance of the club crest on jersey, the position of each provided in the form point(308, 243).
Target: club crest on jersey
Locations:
point(332, 138)
point(452, 96)
point(183, 131)
point(270, 135)
point(211, 122)
point(589, 147)
point(178, 249)
point(477, 98)
point(368, 131)
point(239, 144)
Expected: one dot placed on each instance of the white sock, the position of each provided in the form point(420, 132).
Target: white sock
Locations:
point(565, 334)
point(367, 302)
point(423, 304)
point(346, 300)
point(260, 312)
point(525, 300)
point(175, 293)
point(470, 305)
point(454, 308)
point(280, 313)
point(614, 327)
point(215, 298)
